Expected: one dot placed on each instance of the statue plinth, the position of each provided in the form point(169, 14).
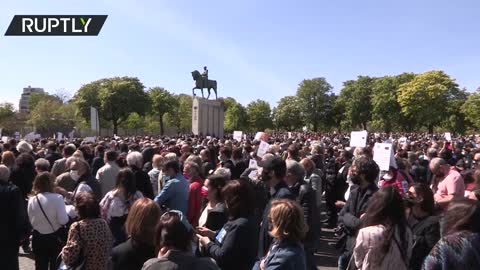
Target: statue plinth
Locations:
point(207, 117)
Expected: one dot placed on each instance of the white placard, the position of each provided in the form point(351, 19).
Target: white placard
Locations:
point(448, 136)
point(358, 138)
point(383, 156)
point(5, 139)
point(259, 136)
point(253, 175)
point(262, 149)
point(37, 136)
point(17, 135)
point(402, 140)
point(116, 137)
point(90, 139)
point(30, 136)
point(59, 136)
point(209, 137)
point(237, 135)
point(253, 164)
point(71, 134)
point(289, 135)
point(1, 129)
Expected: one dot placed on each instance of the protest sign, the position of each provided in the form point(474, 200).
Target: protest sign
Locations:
point(358, 138)
point(383, 156)
point(262, 148)
point(448, 136)
point(237, 135)
point(261, 136)
point(59, 136)
point(5, 139)
point(253, 164)
point(30, 136)
point(90, 139)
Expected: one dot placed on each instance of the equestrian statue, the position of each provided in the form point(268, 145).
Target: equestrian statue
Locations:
point(202, 81)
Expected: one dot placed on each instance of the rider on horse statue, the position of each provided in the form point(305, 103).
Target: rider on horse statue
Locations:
point(205, 77)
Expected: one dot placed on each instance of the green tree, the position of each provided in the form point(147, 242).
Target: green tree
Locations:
point(116, 98)
point(386, 111)
point(471, 109)
point(7, 117)
point(162, 103)
point(356, 97)
point(51, 116)
point(259, 115)
point(181, 116)
point(36, 97)
point(135, 122)
point(236, 117)
point(426, 97)
point(313, 95)
point(288, 114)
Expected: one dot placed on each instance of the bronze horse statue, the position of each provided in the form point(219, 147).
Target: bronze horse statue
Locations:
point(200, 84)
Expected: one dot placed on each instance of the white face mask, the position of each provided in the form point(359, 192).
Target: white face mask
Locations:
point(74, 175)
point(388, 177)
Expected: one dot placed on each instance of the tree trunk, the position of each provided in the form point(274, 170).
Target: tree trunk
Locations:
point(364, 125)
point(430, 129)
point(161, 125)
point(115, 126)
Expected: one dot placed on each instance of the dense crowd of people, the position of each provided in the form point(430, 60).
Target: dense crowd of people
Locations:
point(193, 202)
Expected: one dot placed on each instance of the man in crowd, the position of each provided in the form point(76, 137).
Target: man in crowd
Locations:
point(107, 175)
point(448, 184)
point(14, 221)
point(60, 165)
point(174, 196)
point(273, 174)
point(52, 154)
point(363, 173)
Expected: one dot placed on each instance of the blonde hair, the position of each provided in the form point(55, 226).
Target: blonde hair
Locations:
point(287, 220)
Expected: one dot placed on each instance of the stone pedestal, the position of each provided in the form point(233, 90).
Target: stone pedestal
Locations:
point(207, 117)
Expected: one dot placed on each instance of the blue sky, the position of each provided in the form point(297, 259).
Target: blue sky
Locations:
point(254, 49)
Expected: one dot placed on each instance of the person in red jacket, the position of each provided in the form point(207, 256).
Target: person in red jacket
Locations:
point(397, 178)
point(195, 197)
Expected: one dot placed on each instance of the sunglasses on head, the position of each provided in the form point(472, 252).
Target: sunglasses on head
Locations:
point(181, 217)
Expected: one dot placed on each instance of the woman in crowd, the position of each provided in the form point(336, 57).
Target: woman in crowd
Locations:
point(313, 177)
point(288, 229)
point(140, 226)
point(459, 247)
point(235, 245)
point(173, 240)
point(385, 241)
point(214, 214)
point(23, 173)
point(192, 172)
point(116, 204)
point(47, 214)
point(8, 159)
point(424, 224)
point(90, 239)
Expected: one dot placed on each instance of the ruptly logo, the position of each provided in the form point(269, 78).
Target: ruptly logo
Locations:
point(56, 25)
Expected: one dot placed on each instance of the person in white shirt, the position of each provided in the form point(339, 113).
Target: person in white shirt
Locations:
point(107, 175)
point(115, 205)
point(47, 214)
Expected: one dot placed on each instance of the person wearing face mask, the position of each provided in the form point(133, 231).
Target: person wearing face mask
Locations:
point(85, 182)
point(363, 173)
point(448, 184)
point(424, 224)
point(273, 175)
